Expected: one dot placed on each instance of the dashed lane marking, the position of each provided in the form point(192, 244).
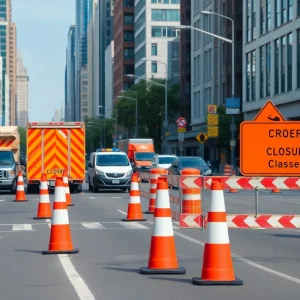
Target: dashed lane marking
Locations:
point(22, 227)
point(93, 225)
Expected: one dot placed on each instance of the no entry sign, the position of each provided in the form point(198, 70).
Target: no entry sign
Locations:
point(181, 122)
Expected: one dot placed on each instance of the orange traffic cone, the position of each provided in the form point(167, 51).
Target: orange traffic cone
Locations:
point(134, 211)
point(217, 266)
point(20, 193)
point(233, 191)
point(67, 189)
point(162, 258)
point(276, 190)
point(60, 236)
point(44, 208)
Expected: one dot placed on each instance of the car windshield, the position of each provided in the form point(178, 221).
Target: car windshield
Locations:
point(144, 156)
point(192, 162)
point(166, 160)
point(6, 157)
point(112, 160)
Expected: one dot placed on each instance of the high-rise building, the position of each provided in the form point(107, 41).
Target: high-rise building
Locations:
point(81, 25)
point(22, 92)
point(210, 75)
point(123, 45)
point(109, 79)
point(155, 25)
point(100, 30)
point(84, 93)
point(1, 88)
point(174, 61)
point(8, 52)
point(70, 77)
point(271, 57)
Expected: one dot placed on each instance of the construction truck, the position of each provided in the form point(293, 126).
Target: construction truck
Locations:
point(9, 157)
point(53, 148)
point(139, 151)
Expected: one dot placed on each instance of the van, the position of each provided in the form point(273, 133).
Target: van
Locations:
point(109, 169)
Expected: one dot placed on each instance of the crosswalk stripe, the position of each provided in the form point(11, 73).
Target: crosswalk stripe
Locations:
point(22, 227)
point(92, 225)
point(133, 225)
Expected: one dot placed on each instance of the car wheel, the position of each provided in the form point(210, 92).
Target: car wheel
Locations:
point(95, 188)
point(90, 186)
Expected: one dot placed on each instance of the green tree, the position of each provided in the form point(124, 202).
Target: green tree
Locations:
point(151, 105)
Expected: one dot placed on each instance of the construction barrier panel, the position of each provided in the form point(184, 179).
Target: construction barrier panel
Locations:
point(201, 183)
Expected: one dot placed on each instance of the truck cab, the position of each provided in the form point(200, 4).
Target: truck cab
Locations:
point(9, 157)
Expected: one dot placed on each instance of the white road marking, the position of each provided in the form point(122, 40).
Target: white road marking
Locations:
point(22, 227)
point(93, 225)
point(79, 285)
point(115, 197)
point(92, 197)
point(133, 225)
point(2, 200)
point(245, 260)
point(122, 212)
point(48, 220)
point(81, 289)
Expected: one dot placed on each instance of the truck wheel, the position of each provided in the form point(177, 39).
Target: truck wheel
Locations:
point(95, 188)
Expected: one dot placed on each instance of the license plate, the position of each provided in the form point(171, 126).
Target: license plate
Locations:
point(115, 181)
point(51, 183)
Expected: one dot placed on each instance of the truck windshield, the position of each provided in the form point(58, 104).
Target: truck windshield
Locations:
point(6, 158)
point(112, 160)
point(166, 160)
point(144, 156)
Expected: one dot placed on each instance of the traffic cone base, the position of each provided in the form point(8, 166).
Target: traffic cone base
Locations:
point(145, 270)
point(20, 200)
point(199, 281)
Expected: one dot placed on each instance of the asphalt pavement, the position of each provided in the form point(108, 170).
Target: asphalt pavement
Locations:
point(112, 251)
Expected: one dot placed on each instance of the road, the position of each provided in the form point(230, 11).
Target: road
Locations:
point(107, 265)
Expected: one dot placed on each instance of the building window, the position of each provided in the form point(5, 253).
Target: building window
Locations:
point(251, 20)
point(128, 36)
point(154, 67)
point(128, 19)
point(250, 76)
point(268, 12)
point(157, 31)
point(283, 11)
point(268, 70)
point(262, 71)
point(129, 53)
point(128, 3)
point(262, 16)
point(283, 63)
point(207, 27)
point(165, 15)
point(154, 49)
point(289, 62)
point(207, 64)
point(277, 62)
point(253, 76)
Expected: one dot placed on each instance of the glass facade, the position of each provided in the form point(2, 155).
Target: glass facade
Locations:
point(165, 15)
point(3, 53)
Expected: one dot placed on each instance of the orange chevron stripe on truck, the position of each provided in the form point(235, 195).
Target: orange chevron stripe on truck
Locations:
point(53, 148)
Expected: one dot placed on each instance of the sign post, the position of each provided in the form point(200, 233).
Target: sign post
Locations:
point(233, 108)
point(270, 145)
point(181, 123)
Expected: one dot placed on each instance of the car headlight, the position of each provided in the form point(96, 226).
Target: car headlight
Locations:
point(208, 172)
point(11, 174)
point(129, 173)
point(99, 173)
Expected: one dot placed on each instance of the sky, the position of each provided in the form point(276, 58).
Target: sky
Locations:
point(42, 36)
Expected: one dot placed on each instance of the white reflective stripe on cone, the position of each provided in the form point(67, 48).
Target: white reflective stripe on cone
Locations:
point(44, 199)
point(43, 186)
point(217, 233)
point(190, 196)
point(59, 194)
point(134, 186)
point(134, 199)
point(163, 226)
point(65, 180)
point(20, 187)
point(60, 217)
point(217, 203)
point(20, 179)
point(152, 196)
point(162, 199)
point(67, 191)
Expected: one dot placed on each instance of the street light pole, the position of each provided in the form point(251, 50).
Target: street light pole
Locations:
point(231, 41)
